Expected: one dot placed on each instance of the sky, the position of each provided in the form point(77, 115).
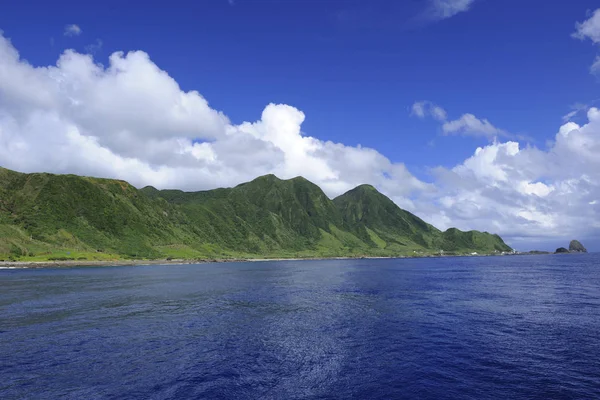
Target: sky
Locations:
point(478, 114)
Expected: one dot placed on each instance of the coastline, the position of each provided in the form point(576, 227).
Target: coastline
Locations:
point(133, 263)
point(9, 265)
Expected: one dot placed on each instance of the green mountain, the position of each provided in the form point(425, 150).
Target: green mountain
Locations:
point(46, 216)
point(378, 221)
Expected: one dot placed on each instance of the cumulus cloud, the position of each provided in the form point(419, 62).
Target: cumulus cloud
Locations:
point(466, 125)
point(72, 30)
point(130, 120)
point(442, 9)
point(470, 125)
point(526, 192)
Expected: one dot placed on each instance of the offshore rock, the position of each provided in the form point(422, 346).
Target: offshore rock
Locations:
point(576, 247)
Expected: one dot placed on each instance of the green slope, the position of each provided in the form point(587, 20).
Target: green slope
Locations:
point(45, 216)
point(83, 214)
point(380, 222)
point(267, 216)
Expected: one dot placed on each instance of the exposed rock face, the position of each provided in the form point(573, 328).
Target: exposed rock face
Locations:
point(576, 247)
point(561, 250)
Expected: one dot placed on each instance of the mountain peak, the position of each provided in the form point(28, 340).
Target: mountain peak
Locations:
point(267, 177)
point(362, 190)
point(366, 186)
point(299, 178)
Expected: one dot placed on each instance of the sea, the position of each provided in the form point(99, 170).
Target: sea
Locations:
point(511, 327)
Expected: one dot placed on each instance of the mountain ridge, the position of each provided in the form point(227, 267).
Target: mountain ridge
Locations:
point(45, 216)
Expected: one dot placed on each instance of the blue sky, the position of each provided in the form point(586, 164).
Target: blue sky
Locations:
point(354, 68)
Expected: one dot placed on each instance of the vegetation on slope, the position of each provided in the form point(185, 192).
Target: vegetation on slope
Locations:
point(380, 222)
point(45, 216)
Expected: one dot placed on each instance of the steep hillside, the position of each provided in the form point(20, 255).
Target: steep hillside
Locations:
point(83, 214)
point(265, 216)
point(380, 222)
point(45, 216)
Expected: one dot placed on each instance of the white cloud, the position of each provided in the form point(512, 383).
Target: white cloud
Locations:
point(526, 192)
point(442, 9)
point(72, 30)
point(589, 29)
point(538, 188)
point(131, 120)
point(424, 109)
point(470, 125)
point(418, 109)
point(467, 125)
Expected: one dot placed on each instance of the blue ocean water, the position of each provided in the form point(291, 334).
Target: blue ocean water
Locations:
point(449, 328)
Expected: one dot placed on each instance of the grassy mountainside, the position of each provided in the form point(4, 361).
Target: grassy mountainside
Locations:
point(41, 213)
point(378, 221)
point(45, 216)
